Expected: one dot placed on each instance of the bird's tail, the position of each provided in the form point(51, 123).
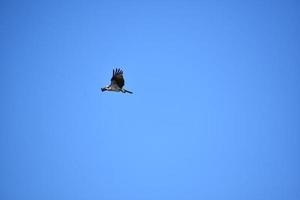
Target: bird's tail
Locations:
point(128, 91)
point(103, 89)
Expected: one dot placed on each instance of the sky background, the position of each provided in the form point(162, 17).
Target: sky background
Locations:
point(214, 115)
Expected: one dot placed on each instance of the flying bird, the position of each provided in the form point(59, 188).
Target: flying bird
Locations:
point(117, 82)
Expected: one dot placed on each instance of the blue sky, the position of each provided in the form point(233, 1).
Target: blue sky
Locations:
point(214, 115)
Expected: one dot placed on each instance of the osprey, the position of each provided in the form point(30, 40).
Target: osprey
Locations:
point(117, 82)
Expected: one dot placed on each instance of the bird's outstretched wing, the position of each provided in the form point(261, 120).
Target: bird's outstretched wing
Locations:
point(117, 78)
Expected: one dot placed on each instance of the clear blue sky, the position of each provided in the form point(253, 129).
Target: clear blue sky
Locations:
point(214, 115)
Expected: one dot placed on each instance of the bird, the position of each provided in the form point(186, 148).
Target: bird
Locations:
point(117, 82)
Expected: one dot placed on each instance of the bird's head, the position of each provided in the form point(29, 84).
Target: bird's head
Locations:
point(106, 88)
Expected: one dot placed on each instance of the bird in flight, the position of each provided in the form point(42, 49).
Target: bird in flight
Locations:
point(117, 82)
